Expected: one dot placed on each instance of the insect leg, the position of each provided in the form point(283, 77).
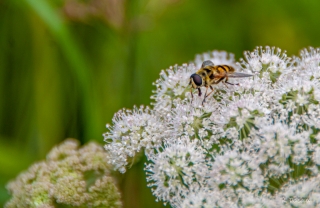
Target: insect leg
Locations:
point(199, 91)
point(191, 94)
point(210, 92)
point(205, 95)
point(219, 80)
point(226, 81)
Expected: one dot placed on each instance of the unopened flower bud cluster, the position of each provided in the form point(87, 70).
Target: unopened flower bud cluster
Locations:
point(69, 177)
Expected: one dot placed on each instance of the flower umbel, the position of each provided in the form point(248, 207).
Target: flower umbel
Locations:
point(175, 168)
point(256, 144)
point(70, 177)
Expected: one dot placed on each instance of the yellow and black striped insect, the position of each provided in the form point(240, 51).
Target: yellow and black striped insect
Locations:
point(209, 75)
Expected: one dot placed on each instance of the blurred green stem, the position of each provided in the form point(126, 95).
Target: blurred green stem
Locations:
point(76, 60)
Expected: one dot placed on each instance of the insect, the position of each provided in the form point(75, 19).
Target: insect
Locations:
point(209, 75)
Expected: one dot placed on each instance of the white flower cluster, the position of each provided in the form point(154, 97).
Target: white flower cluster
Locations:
point(256, 144)
point(70, 176)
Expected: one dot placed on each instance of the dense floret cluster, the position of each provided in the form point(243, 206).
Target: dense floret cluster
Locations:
point(69, 177)
point(256, 144)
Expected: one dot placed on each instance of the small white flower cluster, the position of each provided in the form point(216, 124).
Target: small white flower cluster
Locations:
point(70, 176)
point(254, 144)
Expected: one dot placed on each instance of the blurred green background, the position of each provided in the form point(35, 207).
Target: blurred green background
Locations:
point(66, 66)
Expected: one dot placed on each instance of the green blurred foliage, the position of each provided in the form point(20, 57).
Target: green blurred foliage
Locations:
point(66, 66)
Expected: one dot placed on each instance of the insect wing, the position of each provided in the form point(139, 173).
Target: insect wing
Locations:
point(239, 75)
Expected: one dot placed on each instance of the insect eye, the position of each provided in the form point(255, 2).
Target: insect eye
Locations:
point(196, 79)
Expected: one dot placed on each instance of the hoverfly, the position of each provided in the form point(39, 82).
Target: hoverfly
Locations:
point(209, 75)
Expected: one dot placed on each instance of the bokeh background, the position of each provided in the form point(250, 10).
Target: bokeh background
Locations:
point(66, 66)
